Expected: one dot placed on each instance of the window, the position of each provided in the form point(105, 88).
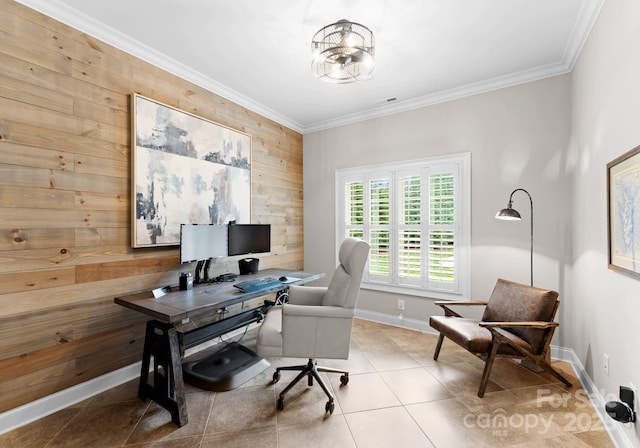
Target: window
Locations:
point(416, 217)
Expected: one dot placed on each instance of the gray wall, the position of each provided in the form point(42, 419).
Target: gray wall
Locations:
point(553, 137)
point(516, 137)
point(604, 305)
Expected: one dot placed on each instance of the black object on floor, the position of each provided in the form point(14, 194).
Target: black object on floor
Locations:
point(225, 369)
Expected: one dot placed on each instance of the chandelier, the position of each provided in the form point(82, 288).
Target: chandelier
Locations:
point(343, 52)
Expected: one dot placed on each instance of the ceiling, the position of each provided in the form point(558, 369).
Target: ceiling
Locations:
point(257, 53)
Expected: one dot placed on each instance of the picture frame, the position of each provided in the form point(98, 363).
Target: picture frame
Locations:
point(185, 170)
point(623, 213)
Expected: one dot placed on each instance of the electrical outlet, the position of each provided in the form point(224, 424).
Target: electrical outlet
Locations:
point(605, 364)
point(400, 304)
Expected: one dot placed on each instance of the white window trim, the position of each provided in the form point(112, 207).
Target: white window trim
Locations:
point(463, 221)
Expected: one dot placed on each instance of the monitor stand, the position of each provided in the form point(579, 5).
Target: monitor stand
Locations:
point(224, 369)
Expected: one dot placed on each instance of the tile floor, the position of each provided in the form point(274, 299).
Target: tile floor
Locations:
point(397, 396)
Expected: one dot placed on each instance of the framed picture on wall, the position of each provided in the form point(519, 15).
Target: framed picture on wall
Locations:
point(623, 203)
point(185, 170)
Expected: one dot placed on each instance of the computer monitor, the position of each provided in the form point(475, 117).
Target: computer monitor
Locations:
point(249, 238)
point(202, 241)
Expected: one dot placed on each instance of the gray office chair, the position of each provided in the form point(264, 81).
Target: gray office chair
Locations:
point(316, 322)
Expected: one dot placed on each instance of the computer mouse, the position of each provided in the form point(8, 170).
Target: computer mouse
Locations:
point(283, 279)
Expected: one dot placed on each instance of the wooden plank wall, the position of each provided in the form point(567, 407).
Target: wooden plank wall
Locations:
point(65, 201)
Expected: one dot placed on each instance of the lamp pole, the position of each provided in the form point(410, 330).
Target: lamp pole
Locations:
point(510, 213)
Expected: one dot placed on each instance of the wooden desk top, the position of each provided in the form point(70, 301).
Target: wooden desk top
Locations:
point(175, 306)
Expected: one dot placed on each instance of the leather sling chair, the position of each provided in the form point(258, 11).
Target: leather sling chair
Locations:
point(517, 322)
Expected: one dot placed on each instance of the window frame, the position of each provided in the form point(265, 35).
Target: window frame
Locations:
point(462, 224)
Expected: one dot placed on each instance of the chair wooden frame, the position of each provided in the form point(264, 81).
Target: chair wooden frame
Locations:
point(498, 330)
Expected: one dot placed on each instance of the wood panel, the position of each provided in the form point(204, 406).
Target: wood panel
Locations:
point(30, 156)
point(118, 269)
point(38, 96)
point(16, 196)
point(12, 240)
point(65, 201)
point(49, 370)
point(55, 218)
point(101, 236)
point(20, 112)
point(34, 135)
point(86, 320)
point(70, 255)
point(30, 281)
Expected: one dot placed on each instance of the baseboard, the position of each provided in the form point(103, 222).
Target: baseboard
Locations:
point(396, 321)
point(42, 407)
point(615, 429)
point(35, 410)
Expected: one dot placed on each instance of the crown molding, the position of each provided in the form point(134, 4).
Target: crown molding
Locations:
point(582, 28)
point(86, 24)
point(444, 96)
point(579, 34)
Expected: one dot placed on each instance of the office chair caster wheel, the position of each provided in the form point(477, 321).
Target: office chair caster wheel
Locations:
point(329, 407)
point(280, 404)
point(344, 380)
point(276, 376)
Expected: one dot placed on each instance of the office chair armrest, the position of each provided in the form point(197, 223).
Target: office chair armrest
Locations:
point(532, 324)
point(290, 309)
point(445, 304)
point(306, 295)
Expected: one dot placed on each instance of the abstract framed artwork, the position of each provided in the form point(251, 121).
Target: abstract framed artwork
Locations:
point(623, 204)
point(185, 169)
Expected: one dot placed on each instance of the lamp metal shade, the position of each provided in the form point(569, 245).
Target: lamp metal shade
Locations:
point(509, 214)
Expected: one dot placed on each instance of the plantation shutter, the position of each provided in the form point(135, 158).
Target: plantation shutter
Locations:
point(380, 226)
point(442, 254)
point(416, 217)
point(410, 245)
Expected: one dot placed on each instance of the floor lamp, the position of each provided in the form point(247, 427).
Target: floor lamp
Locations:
point(512, 214)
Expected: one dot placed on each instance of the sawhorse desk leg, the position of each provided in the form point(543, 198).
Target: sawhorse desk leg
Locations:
point(161, 342)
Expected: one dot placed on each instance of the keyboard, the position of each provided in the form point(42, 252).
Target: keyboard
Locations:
point(257, 284)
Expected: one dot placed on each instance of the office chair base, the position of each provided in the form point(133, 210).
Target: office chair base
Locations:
point(310, 370)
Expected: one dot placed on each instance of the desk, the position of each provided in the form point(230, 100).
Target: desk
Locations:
point(176, 327)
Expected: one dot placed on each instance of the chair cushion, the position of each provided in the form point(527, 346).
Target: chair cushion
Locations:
point(269, 341)
point(515, 302)
point(345, 285)
point(468, 334)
